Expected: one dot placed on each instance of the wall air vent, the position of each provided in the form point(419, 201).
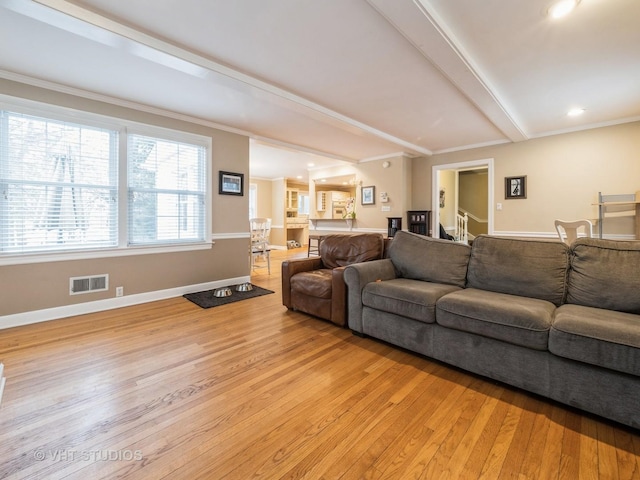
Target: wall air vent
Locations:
point(94, 283)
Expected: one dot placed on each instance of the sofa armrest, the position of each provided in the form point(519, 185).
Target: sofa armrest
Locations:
point(290, 268)
point(338, 297)
point(356, 277)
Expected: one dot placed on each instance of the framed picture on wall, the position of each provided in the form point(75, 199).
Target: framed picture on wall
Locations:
point(515, 187)
point(368, 195)
point(231, 183)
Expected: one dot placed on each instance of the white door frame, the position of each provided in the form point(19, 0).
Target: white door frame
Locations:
point(435, 191)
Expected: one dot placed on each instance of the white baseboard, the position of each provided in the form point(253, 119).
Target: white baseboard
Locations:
point(554, 235)
point(36, 316)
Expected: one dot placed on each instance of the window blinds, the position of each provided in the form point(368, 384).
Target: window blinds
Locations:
point(166, 190)
point(58, 185)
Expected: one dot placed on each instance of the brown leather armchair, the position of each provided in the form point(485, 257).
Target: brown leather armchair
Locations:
point(316, 286)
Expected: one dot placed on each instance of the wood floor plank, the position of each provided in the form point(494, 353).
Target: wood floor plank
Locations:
point(552, 457)
point(383, 434)
point(521, 439)
point(498, 454)
point(607, 453)
point(534, 449)
point(588, 461)
point(627, 459)
point(252, 389)
point(425, 435)
point(481, 450)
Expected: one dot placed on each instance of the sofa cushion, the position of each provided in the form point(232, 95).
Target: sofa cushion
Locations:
point(409, 298)
point(433, 260)
point(605, 274)
point(518, 320)
point(527, 268)
point(596, 336)
point(343, 250)
point(315, 283)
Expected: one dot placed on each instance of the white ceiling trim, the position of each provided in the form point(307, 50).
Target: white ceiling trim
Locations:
point(298, 148)
point(172, 56)
point(386, 157)
point(429, 34)
point(77, 92)
point(55, 87)
point(469, 147)
point(579, 128)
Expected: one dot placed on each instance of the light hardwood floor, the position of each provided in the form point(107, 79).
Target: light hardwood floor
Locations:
point(167, 390)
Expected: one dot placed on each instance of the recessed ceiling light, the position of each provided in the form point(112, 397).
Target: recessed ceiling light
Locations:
point(311, 164)
point(299, 177)
point(574, 112)
point(323, 180)
point(562, 8)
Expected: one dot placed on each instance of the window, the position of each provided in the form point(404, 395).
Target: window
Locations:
point(58, 183)
point(80, 182)
point(166, 191)
point(303, 203)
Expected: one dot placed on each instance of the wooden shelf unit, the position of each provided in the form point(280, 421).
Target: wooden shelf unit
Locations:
point(630, 200)
point(419, 221)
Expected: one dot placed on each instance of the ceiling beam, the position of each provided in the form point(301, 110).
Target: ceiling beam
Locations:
point(420, 24)
point(80, 21)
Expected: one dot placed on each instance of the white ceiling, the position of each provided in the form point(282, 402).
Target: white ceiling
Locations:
point(340, 79)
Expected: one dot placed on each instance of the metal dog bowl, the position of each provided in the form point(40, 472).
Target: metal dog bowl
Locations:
point(222, 292)
point(244, 287)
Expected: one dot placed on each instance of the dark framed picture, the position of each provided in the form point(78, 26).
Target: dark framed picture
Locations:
point(515, 187)
point(231, 183)
point(368, 195)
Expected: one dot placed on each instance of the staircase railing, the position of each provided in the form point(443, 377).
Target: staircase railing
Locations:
point(462, 229)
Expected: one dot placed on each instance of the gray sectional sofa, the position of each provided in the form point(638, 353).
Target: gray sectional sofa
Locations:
point(562, 322)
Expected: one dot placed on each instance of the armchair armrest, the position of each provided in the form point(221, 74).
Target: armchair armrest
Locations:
point(356, 277)
point(290, 268)
point(338, 297)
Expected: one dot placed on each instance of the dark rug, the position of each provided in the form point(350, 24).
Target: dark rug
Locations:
point(206, 299)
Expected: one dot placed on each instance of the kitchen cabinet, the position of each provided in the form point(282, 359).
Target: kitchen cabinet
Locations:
point(291, 199)
point(326, 198)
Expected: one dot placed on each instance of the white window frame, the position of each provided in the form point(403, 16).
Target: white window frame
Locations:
point(253, 200)
point(123, 126)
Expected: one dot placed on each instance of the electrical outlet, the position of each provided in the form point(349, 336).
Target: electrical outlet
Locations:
point(119, 291)
point(498, 206)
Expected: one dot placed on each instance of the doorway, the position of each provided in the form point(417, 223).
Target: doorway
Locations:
point(445, 200)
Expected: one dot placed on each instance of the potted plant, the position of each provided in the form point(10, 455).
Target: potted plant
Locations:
point(350, 212)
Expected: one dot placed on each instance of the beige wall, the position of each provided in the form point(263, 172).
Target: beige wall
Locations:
point(564, 175)
point(395, 180)
point(46, 285)
point(473, 199)
point(264, 207)
point(448, 212)
point(278, 198)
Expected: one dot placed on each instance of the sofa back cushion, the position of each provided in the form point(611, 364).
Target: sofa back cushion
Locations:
point(429, 259)
point(605, 274)
point(342, 250)
point(528, 268)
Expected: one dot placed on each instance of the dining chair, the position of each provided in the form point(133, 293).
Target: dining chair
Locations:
point(568, 231)
point(260, 230)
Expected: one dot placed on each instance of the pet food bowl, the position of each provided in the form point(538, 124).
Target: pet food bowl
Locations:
point(222, 292)
point(244, 287)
